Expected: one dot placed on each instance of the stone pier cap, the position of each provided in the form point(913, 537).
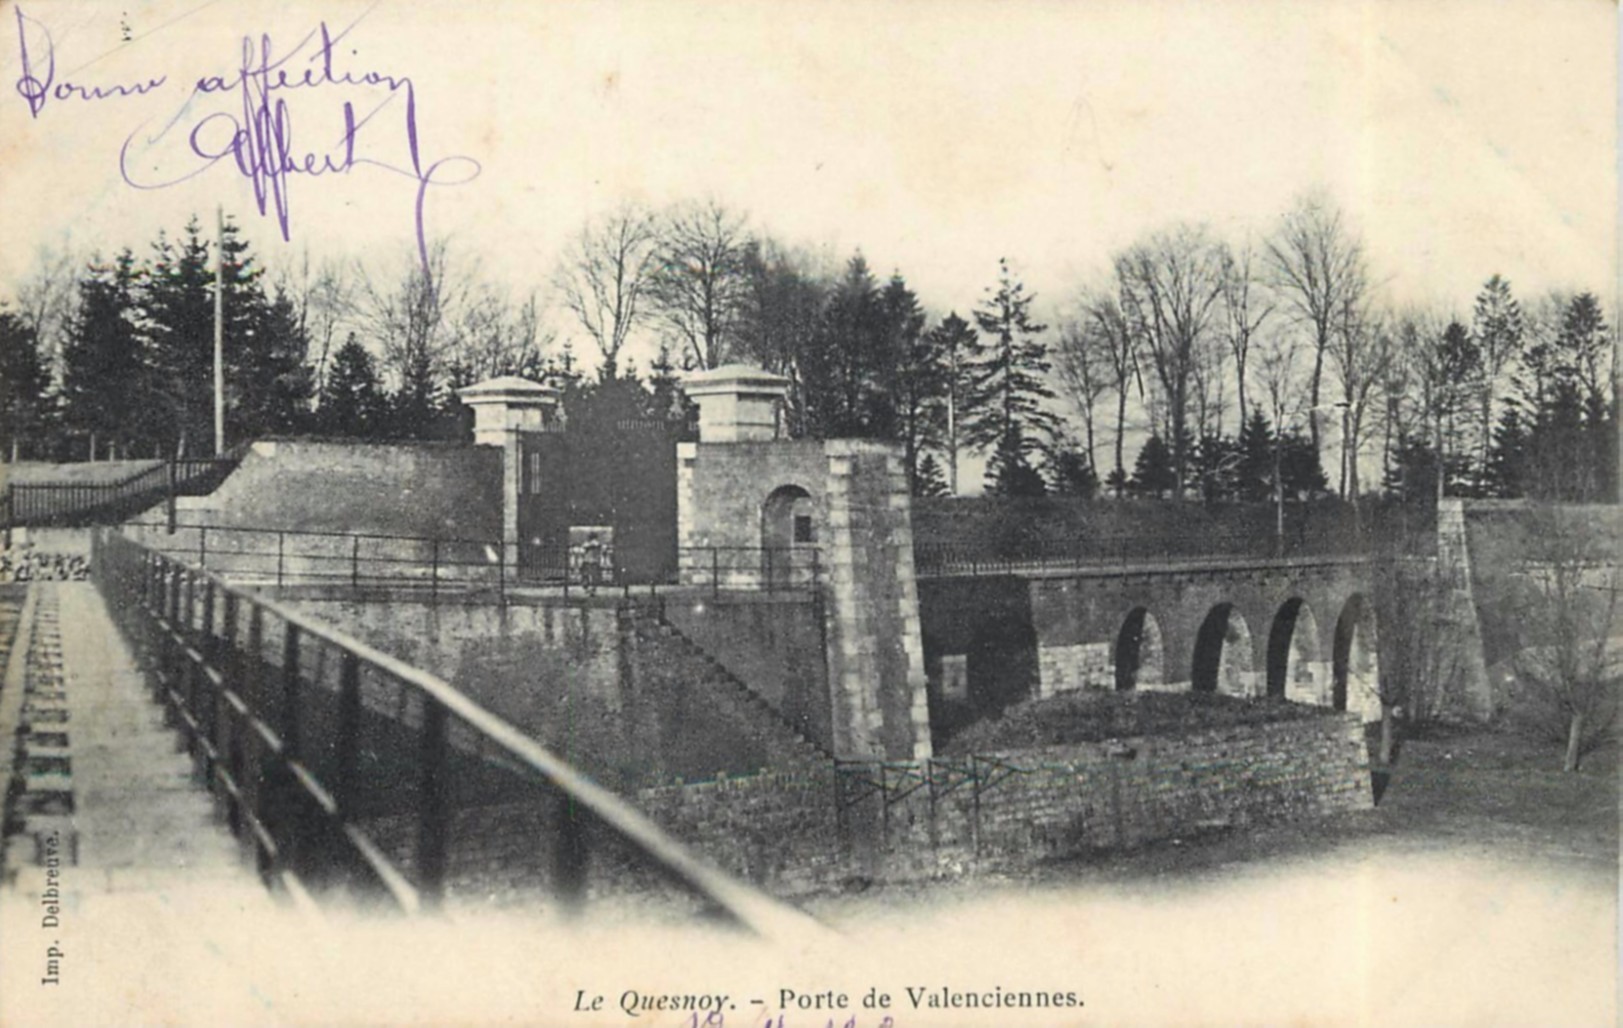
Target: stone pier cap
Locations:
point(508, 404)
point(738, 403)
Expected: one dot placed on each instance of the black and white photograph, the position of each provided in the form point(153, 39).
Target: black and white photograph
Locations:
point(795, 514)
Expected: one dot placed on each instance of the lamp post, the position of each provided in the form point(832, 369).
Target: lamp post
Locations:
point(219, 330)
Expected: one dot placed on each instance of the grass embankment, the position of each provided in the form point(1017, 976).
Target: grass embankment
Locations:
point(93, 473)
point(1094, 716)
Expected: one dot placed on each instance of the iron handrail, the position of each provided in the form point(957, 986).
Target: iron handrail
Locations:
point(194, 649)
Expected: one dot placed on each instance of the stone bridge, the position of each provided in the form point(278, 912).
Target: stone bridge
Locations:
point(1298, 628)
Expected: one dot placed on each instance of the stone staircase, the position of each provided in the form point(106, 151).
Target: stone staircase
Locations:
point(647, 624)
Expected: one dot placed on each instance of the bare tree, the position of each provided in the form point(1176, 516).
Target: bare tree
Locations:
point(1083, 367)
point(699, 281)
point(1318, 269)
point(491, 335)
point(45, 299)
point(1107, 326)
point(324, 304)
point(408, 314)
point(604, 275)
point(1278, 371)
point(1564, 670)
point(1169, 285)
point(1360, 353)
point(1423, 668)
point(1207, 382)
point(1245, 308)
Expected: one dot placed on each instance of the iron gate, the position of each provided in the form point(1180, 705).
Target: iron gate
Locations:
point(620, 477)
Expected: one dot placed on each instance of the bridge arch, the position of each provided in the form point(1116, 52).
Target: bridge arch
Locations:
point(1354, 670)
point(1222, 661)
point(1139, 655)
point(1293, 653)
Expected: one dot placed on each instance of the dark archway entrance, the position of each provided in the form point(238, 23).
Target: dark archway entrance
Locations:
point(1293, 652)
point(1223, 653)
point(1138, 654)
point(1353, 671)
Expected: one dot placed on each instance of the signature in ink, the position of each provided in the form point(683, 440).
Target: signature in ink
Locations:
point(36, 91)
point(256, 135)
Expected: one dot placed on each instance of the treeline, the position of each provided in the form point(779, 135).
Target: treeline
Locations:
point(136, 356)
point(1192, 366)
point(1288, 340)
point(860, 353)
point(115, 358)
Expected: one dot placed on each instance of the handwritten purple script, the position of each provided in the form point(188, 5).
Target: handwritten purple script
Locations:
point(256, 133)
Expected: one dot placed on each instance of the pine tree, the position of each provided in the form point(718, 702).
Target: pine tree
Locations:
point(104, 371)
point(1497, 327)
point(1458, 373)
point(1009, 471)
point(954, 343)
point(1506, 472)
point(918, 375)
point(1570, 445)
point(929, 482)
point(1412, 475)
point(1254, 475)
point(1300, 471)
point(846, 371)
point(1153, 473)
point(25, 409)
point(1070, 473)
point(354, 405)
point(268, 383)
point(1007, 374)
point(177, 307)
point(267, 386)
point(663, 386)
point(1217, 460)
point(414, 407)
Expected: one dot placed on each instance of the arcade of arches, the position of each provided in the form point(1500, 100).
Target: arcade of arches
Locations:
point(1310, 642)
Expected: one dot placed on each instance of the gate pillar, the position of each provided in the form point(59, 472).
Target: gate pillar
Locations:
point(502, 408)
point(858, 514)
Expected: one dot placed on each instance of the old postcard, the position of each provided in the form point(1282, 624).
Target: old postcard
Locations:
point(809, 515)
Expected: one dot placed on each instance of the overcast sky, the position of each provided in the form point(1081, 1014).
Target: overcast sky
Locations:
point(1462, 139)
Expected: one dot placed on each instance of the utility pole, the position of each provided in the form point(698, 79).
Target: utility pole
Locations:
point(219, 330)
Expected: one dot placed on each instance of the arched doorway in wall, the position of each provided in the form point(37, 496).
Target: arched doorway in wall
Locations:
point(788, 534)
point(1293, 653)
point(1353, 675)
point(1138, 653)
point(1223, 653)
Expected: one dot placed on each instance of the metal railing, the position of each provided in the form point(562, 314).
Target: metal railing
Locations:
point(932, 560)
point(320, 748)
point(83, 503)
point(357, 560)
point(441, 566)
point(755, 568)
